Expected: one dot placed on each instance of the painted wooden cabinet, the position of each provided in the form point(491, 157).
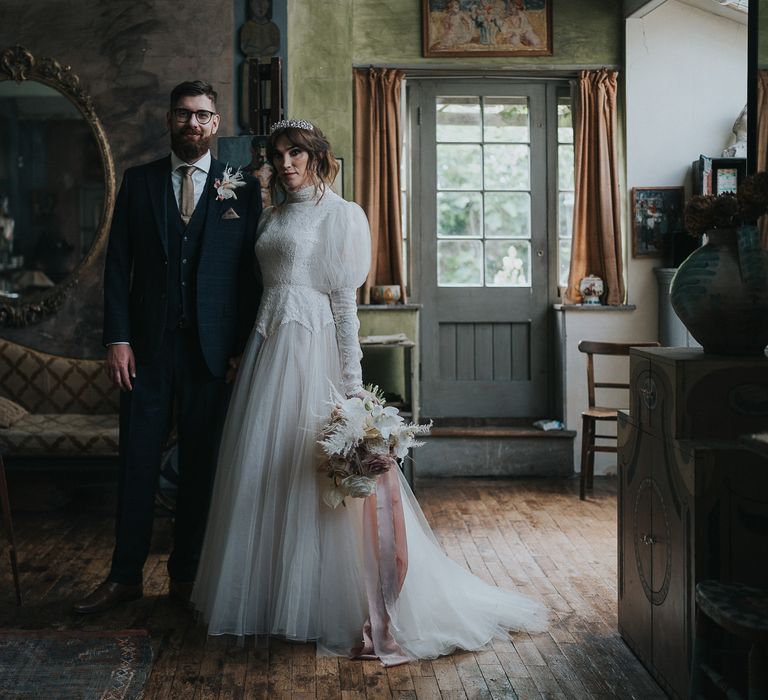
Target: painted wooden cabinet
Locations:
point(692, 504)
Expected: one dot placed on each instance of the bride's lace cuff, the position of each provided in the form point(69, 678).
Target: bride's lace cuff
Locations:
point(344, 307)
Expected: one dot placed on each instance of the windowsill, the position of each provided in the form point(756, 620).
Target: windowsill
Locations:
point(593, 307)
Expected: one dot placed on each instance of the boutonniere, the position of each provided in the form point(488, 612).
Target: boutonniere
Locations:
point(229, 181)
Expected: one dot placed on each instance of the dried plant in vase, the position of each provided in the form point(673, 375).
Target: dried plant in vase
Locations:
point(720, 292)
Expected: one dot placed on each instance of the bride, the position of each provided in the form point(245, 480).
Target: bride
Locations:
point(276, 560)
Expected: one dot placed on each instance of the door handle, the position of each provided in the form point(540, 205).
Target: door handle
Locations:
point(648, 539)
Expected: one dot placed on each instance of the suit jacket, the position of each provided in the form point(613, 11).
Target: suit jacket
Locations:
point(136, 277)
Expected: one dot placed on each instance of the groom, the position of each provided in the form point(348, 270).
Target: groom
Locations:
point(180, 297)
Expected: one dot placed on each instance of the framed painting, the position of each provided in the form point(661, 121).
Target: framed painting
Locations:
point(657, 216)
point(468, 28)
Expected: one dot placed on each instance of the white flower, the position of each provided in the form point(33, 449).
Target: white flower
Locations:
point(359, 486)
point(333, 496)
point(385, 419)
point(225, 187)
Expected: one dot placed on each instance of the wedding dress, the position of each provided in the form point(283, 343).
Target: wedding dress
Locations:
point(275, 559)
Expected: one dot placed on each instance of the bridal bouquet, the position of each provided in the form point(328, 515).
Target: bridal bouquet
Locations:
point(362, 439)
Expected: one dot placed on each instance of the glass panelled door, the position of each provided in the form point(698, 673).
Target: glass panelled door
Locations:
point(480, 186)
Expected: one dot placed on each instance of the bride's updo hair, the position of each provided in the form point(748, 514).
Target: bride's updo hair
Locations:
point(322, 166)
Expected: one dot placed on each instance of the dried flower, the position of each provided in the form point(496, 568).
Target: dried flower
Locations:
point(753, 197)
point(362, 439)
point(375, 463)
point(229, 182)
point(728, 211)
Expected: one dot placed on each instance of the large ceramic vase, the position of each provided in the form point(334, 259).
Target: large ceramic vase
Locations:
point(720, 293)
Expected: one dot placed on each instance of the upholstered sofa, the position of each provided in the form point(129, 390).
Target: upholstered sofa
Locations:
point(55, 406)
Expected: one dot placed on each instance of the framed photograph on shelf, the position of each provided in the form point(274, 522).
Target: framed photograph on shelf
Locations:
point(727, 173)
point(657, 214)
point(717, 175)
point(467, 28)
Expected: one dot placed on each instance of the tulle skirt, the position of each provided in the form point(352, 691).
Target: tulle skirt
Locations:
point(276, 560)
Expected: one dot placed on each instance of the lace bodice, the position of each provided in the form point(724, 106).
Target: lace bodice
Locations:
point(305, 249)
point(313, 253)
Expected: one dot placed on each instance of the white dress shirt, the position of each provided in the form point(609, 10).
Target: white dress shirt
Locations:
point(199, 175)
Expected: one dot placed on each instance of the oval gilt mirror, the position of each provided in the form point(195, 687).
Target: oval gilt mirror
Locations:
point(57, 185)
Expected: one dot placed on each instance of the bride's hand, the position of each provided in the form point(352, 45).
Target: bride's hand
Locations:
point(234, 364)
point(364, 395)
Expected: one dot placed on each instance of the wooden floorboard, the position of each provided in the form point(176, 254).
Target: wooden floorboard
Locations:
point(530, 535)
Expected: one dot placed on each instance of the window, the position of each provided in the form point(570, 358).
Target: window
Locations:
point(405, 212)
point(483, 192)
point(565, 185)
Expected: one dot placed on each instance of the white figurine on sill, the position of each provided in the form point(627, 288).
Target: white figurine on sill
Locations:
point(739, 147)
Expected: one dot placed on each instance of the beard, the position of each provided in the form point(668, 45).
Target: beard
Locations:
point(189, 149)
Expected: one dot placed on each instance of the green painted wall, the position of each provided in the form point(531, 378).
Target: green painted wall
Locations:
point(584, 32)
point(327, 38)
point(319, 82)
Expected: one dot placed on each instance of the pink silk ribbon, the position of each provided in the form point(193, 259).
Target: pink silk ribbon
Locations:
point(386, 563)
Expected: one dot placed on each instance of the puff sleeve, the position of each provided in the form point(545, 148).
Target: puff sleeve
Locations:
point(347, 240)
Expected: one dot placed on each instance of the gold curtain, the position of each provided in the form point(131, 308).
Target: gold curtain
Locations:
point(377, 142)
point(596, 245)
point(762, 139)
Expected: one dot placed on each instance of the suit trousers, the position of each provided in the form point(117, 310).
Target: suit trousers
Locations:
point(177, 377)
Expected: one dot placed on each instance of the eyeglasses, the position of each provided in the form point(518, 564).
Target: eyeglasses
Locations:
point(182, 116)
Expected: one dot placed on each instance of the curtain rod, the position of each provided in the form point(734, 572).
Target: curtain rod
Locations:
point(522, 72)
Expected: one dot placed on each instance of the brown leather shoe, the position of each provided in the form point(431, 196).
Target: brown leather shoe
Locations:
point(107, 596)
point(181, 592)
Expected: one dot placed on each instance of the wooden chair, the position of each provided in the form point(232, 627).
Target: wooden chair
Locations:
point(595, 413)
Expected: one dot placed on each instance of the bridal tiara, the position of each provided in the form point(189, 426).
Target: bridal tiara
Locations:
point(291, 124)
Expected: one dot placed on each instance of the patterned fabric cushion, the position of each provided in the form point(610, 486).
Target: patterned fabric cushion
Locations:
point(44, 383)
point(10, 412)
point(61, 434)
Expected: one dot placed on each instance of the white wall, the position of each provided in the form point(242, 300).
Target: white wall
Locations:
point(685, 84)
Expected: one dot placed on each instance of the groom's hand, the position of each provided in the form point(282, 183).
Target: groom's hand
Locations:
point(121, 366)
point(234, 364)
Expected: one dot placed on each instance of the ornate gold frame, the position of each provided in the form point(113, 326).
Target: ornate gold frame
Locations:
point(16, 63)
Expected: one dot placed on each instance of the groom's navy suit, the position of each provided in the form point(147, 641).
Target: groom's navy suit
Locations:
point(185, 298)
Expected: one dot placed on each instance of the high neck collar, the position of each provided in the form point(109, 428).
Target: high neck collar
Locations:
point(304, 194)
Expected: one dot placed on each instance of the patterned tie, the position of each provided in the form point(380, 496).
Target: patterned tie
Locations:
point(187, 193)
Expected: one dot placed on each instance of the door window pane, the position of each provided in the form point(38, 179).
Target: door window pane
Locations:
point(565, 185)
point(459, 167)
point(458, 119)
point(565, 260)
point(507, 215)
point(507, 264)
point(564, 214)
point(460, 263)
point(507, 167)
point(506, 119)
point(459, 214)
point(564, 121)
point(565, 174)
